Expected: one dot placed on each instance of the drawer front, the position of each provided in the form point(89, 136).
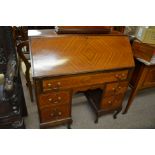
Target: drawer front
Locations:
point(115, 88)
point(113, 102)
point(83, 80)
point(54, 113)
point(53, 99)
point(150, 77)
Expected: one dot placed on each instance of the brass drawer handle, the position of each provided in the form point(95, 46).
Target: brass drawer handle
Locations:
point(49, 85)
point(120, 76)
point(117, 75)
point(52, 114)
point(50, 99)
point(123, 75)
point(113, 88)
point(55, 102)
point(59, 83)
point(59, 113)
point(110, 102)
point(58, 86)
point(117, 89)
point(59, 98)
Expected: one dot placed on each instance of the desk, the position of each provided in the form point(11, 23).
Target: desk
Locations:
point(143, 77)
point(63, 65)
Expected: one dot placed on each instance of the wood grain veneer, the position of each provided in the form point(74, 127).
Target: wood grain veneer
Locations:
point(73, 54)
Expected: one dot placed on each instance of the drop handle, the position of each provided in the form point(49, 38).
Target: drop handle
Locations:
point(114, 89)
point(110, 102)
point(123, 75)
point(55, 102)
point(50, 99)
point(117, 75)
point(56, 88)
point(59, 98)
point(49, 85)
point(52, 114)
point(59, 113)
point(59, 83)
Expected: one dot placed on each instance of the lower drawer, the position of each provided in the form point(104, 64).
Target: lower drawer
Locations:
point(113, 102)
point(54, 113)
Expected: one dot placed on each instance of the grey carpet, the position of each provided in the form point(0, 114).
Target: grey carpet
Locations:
point(141, 115)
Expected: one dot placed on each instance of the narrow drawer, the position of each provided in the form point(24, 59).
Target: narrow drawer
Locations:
point(113, 102)
point(54, 113)
point(57, 98)
point(83, 80)
point(115, 88)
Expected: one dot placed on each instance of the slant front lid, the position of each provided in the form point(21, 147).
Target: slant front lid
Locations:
point(70, 54)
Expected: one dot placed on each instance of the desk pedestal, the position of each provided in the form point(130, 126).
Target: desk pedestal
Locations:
point(104, 91)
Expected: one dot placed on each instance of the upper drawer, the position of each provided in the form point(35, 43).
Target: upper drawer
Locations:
point(116, 88)
point(57, 98)
point(83, 80)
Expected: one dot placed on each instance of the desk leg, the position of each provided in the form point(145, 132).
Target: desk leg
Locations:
point(142, 72)
point(116, 113)
point(96, 119)
point(69, 126)
point(132, 95)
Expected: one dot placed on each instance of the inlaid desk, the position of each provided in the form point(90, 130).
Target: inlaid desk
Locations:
point(62, 65)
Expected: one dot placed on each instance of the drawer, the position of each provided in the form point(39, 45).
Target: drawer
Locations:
point(54, 113)
point(113, 102)
point(149, 80)
point(116, 88)
point(57, 98)
point(56, 84)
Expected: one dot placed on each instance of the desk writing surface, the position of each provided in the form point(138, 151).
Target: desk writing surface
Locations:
point(71, 54)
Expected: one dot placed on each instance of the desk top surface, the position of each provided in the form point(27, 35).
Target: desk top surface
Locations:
point(54, 54)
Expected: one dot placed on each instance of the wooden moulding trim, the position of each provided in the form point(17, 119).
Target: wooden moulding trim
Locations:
point(81, 73)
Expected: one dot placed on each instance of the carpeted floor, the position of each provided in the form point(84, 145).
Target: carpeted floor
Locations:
point(141, 115)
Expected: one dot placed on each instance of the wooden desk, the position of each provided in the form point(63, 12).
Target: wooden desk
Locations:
point(143, 77)
point(66, 64)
